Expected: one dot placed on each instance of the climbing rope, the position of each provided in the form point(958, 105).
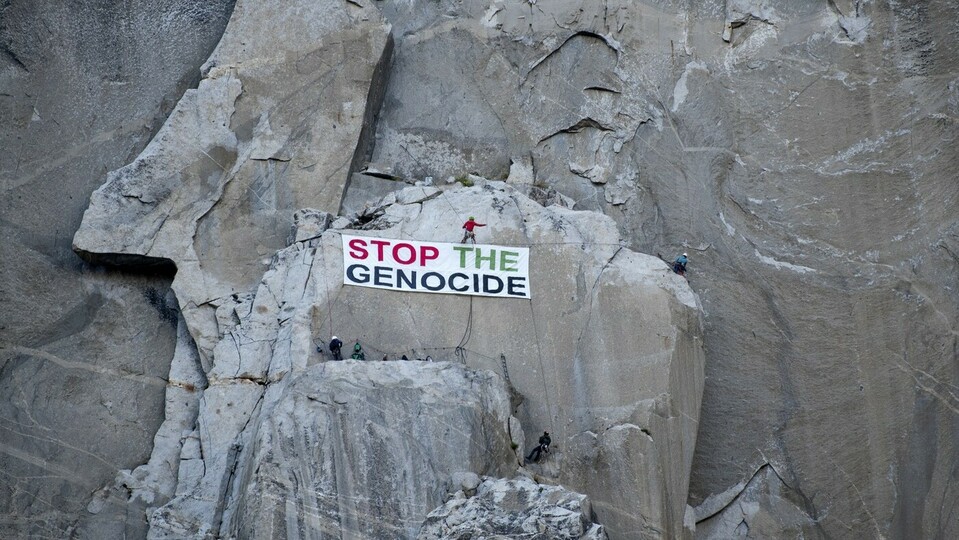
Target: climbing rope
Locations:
point(460, 351)
point(539, 354)
point(329, 301)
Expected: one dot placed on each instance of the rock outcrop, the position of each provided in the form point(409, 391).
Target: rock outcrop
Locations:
point(617, 381)
point(763, 507)
point(800, 150)
point(344, 450)
point(518, 508)
point(280, 119)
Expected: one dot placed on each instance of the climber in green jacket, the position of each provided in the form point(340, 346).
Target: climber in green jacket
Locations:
point(358, 352)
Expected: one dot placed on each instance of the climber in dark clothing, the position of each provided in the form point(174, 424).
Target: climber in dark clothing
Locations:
point(335, 346)
point(541, 448)
point(679, 265)
point(358, 353)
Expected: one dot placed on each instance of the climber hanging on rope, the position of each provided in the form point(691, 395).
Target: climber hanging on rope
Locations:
point(541, 448)
point(679, 265)
point(335, 346)
point(358, 353)
point(469, 226)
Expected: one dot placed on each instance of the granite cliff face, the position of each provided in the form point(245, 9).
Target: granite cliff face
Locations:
point(607, 356)
point(84, 352)
point(344, 450)
point(800, 151)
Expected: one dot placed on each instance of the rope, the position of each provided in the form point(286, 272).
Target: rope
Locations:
point(539, 353)
point(329, 300)
point(460, 351)
point(539, 349)
point(443, 194)
point(528, 244)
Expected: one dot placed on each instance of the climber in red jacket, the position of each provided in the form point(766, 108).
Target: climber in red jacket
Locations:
point(469, 226)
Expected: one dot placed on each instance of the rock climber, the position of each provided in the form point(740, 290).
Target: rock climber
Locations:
point(469, 226)
point(358, 353)
point(679, 265)
point(541, 448)
point(335, 346)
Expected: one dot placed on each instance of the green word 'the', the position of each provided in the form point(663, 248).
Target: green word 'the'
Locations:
point(507, 259)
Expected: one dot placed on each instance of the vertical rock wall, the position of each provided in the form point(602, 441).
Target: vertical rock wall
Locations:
point(608, 356)
point(801, 152)
point(365, 450)
point(275, 125)
point(84, 352)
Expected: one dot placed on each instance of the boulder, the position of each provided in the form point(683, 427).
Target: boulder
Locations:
point(518, 508)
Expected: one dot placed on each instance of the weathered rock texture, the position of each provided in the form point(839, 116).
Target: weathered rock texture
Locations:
point(763, 507)
point(800, 150)
point(364, 449)
point(607, 355)
point(342, 450)
point(275, 125)
point(518, 508)
point(84, 353)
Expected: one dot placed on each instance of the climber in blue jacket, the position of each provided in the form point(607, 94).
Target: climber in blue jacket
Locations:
point(679, 265)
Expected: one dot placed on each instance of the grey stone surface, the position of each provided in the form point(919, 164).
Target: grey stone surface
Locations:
point(629, 422)
point(119, 510)
point(763, 507)
point(518, 508)
point(361, 449)
point(365, 190)
point(465, 481)
point(84, 352)
point(801, 151)
point(606, 354)
point(309, 224)
point(283, 111)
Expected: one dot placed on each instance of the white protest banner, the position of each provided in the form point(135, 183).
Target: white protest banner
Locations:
point(436, 267)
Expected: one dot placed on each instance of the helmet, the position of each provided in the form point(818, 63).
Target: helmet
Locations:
point(684, 255)
point(472, 218)
point(334, 337)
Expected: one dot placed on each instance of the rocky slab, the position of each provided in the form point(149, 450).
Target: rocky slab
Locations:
point(518, 508)
point(620, 393)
